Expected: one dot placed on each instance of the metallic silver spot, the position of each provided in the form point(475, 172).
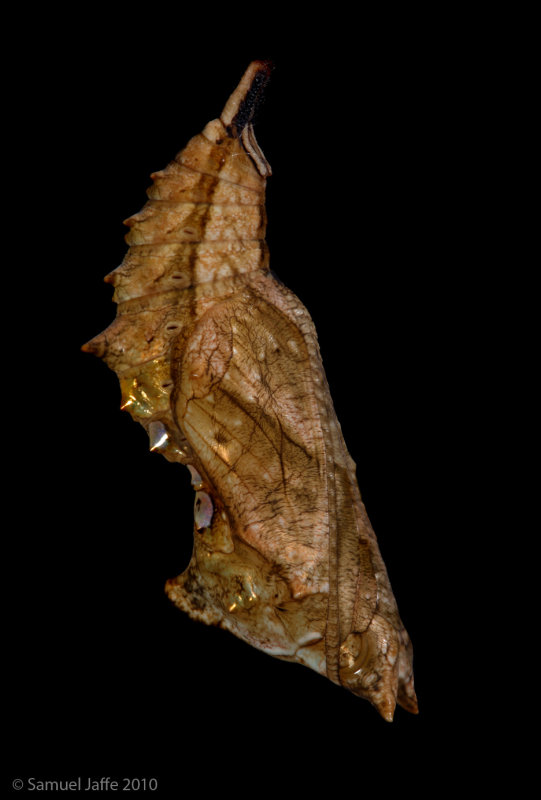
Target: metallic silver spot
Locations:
point(158, 436)
point(203, 510)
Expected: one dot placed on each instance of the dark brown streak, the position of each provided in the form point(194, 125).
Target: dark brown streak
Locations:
point(232, 436)
point(254, 420)
point(220, 458)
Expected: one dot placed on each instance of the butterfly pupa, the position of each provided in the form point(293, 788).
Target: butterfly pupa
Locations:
point(220, 363)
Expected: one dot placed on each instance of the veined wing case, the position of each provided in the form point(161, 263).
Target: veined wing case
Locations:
point(220, 363)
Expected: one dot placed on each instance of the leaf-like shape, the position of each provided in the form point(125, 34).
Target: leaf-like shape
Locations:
point(220, 363)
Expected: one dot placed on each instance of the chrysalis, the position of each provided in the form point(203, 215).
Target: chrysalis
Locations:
point(220, 363)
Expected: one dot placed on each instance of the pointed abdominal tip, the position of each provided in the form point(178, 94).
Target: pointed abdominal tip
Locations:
point(240, 109)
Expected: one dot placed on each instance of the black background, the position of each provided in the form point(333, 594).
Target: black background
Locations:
point(371, 135)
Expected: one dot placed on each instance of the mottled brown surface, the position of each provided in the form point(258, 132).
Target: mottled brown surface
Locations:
point(223, 359)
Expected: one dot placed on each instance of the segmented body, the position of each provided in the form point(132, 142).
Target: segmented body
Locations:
point(220, 363)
